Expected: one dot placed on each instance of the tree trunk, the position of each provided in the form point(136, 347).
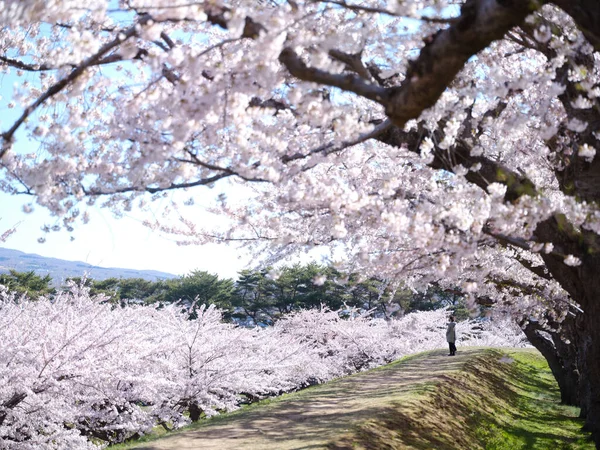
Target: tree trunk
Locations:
point(195, 412)
point(586, 342)
point(582, 282)
point(564, 372)
point(566, 348)
point(588, 347)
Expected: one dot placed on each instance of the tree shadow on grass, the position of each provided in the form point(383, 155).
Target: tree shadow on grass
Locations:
point(492, 406)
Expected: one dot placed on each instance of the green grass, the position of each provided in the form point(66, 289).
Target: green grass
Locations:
point(502, 400)
point(482, 399)
point(536, 419)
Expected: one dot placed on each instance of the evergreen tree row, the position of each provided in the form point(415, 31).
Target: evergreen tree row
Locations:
point(256, 297)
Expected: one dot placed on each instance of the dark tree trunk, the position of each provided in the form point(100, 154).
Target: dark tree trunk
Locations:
point(588, 347)
point(564, 372)
point(583, 284)
point(195, 412)
point(586, 342)
point(566, 348)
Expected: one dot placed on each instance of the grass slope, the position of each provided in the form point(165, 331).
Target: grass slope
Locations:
point(480, 399)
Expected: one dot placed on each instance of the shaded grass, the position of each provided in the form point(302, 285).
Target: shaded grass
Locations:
point(536, 419)
point(482, 399)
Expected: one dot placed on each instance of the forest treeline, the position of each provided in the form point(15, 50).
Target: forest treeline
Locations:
point(256, 297)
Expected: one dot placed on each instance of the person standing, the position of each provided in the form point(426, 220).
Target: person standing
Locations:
point(451, 336)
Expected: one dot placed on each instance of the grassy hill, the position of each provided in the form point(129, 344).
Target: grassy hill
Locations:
point(489, 399)
point(59, 269)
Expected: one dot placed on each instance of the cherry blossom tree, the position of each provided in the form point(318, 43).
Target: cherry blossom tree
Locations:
point(68, 373)
point(421, 140)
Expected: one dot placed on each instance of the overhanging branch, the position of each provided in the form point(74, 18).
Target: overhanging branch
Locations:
point(298, 68)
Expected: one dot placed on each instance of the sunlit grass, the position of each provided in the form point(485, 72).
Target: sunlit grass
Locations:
point(501, 401)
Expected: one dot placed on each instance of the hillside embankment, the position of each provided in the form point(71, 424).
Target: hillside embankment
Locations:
point(489, 399)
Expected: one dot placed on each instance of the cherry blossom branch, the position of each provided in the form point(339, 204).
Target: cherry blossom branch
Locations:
point(507, 240)
point(540, 271)
point(353, 62)
point(115, 57)
point(20, 180)
point(170, 187)
point(481, 22)
point(331, 147)
point(196, 161)
point(7, 137)
point(489, 171)
point(165, 37)
point(298, 68)
point(370, 9)
point(25, 66)
point(277, 105)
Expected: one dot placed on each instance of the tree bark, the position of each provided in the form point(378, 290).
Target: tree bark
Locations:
point(565, 343)
point(583, 284)
point(560, 360)
point(195, 412)
point(588, 348)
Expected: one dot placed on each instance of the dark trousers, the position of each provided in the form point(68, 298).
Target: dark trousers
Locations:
point(452, 348)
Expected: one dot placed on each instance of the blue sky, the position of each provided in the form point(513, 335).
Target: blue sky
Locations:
point(110, 242)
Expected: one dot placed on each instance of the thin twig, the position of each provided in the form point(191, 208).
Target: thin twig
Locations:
point(330, 147)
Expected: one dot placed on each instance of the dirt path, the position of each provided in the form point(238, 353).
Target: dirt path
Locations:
point(313, 418)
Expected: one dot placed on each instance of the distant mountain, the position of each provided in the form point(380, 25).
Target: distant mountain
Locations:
point(59, 269)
